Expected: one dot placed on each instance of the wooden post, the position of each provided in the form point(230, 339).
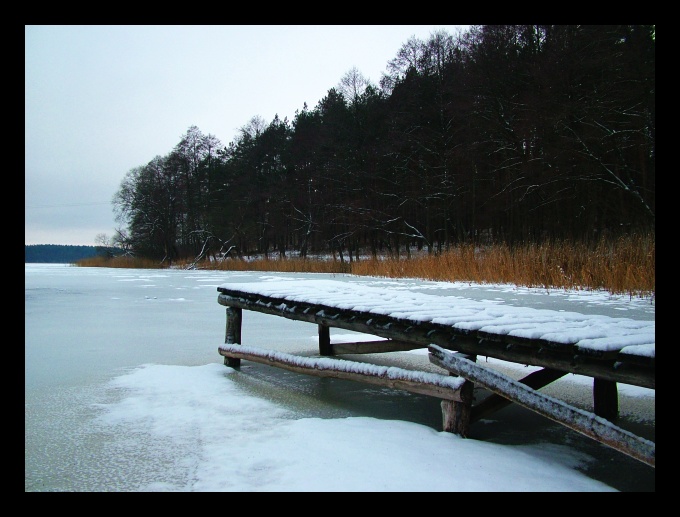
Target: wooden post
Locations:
point(233, 334)
point(325, 340)
point(456, 415)
point(605, 399)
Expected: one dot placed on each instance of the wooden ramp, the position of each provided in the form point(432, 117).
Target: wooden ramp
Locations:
point(577, 419)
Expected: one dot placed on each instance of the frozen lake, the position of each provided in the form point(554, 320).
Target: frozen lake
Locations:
point(87, 327)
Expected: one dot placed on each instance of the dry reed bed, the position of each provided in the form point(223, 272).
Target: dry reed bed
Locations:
point(623, 266)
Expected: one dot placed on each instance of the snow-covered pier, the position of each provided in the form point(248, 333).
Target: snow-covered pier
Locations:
point(610, 350)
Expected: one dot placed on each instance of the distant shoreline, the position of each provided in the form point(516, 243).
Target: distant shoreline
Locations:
point(59, 253)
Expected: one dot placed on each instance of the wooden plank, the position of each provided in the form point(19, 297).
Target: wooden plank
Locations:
point(495, 402)
point(577, 419)
point(373, 347)
point(436, 385)
point(627, 355)
point(422, 334)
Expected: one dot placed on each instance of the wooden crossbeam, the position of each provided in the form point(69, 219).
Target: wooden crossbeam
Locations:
point(495, 402)
point(445, 387)
point(373, 347)
point(577, 419)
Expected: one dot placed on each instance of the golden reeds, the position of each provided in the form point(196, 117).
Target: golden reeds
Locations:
point(622, 266)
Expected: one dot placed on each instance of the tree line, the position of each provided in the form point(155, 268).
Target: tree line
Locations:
point(502, 133)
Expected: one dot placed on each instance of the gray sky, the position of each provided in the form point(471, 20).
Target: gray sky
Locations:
point(101, 100)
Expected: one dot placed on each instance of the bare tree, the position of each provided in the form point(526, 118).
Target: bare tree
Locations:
point(352, 85)
point(409, 56)
point(254, 128)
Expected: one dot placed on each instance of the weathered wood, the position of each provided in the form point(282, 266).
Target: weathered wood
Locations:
point(325, 340)
point(233, 333)
point(373, 347)
point(631, 365)
point(456, 415)
point(605, 399)
point(424, 383)
point(577, 419)
point(421, 334)
point(495, 402)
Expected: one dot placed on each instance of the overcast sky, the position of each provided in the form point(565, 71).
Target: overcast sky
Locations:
point(101, 100)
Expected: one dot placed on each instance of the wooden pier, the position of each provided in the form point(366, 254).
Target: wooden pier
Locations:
point(453, 346)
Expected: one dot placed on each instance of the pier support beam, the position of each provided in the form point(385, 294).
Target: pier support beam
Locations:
point(233, 334)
